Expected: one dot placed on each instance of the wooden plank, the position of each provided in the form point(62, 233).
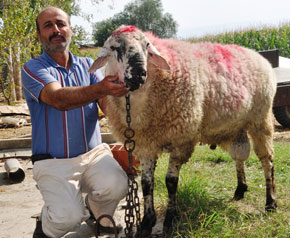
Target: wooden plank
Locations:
point(21, 110)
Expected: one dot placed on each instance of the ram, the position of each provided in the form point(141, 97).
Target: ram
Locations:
point(183, 94)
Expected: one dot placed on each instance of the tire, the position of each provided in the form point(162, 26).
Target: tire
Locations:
point(282, 115)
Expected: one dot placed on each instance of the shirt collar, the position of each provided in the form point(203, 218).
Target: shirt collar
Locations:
point(56, 65)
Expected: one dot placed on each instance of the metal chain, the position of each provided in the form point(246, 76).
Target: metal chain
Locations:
point(132, 199)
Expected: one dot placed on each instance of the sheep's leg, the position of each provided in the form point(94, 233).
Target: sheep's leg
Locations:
point(240, 151)
point(262, 135)
point(171, 184)
point(176, 160)
point(147, 181)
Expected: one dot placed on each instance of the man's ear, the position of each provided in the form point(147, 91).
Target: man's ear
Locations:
point(37, 35)
point(72, 33)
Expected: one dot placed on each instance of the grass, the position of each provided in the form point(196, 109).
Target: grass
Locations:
point(206, 186)
point(258, 38)
point(90, 52)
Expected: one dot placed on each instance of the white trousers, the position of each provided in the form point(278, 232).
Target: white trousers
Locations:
point(62, 181)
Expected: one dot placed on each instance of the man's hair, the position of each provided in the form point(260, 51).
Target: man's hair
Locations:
point(36, 20)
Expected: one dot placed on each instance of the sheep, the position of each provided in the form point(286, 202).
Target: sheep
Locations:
point(186, 93)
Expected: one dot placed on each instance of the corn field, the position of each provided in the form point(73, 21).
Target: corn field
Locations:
point(264, 38)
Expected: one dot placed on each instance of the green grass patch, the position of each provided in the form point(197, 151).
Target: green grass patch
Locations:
point(206, 187)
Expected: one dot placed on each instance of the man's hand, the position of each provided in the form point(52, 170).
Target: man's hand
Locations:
point(112, 86)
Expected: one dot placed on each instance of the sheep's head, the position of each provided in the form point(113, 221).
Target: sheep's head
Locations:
point(127, 51)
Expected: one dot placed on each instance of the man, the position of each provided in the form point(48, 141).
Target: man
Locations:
point(68, 155)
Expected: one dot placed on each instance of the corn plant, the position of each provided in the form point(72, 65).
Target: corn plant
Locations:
point(259, 39)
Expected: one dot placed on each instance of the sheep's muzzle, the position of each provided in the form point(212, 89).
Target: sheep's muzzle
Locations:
point(138, 78)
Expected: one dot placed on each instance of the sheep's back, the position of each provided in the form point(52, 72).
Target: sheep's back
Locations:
point(216, 89)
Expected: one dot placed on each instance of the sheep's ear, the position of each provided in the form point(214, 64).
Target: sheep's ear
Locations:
point(156, 59)
point(101, 60)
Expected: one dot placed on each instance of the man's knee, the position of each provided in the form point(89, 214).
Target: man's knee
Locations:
point(114, 188)
point(120, 187)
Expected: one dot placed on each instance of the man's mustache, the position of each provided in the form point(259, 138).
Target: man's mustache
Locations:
point(56, 35)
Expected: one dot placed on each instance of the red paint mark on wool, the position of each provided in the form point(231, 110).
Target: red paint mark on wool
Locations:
point(198, 55)
point(222, 55)
point(124, 29)
point(171, 55)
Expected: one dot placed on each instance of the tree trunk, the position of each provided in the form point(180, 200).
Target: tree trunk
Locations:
point(10, 75)
point(17, 72)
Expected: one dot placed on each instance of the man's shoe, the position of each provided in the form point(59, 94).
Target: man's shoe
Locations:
point(38, 232)
point(100, 229)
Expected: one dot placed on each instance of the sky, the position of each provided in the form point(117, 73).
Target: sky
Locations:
point(196, 18)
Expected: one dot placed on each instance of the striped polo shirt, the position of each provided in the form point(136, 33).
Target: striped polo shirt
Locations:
point(63, 134)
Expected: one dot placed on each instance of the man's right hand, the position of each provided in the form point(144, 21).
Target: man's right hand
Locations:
point(112, 86)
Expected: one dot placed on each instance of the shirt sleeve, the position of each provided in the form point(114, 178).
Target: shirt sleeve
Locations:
point(34, 77)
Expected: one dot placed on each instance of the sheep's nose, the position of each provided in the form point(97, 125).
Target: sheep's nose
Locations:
point(143, 73)
point(138, 72)
point(139, 75)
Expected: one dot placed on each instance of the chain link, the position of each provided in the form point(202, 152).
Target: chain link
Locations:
point(132, 199)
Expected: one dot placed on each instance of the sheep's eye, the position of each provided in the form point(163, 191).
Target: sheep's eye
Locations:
point(118, 51)
point(147, 45)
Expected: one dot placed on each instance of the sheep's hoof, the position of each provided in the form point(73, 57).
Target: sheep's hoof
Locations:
point(240, 191)
point(170, 215)
point(271, 207)
point(146, 226)
point(212, 147)
point(167, 231)
point(143, 233)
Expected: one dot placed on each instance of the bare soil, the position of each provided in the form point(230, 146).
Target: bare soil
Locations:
point(281, 133)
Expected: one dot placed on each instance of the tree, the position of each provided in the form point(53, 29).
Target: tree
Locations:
point(18, 40)
point(13, 39)
point(144, 14)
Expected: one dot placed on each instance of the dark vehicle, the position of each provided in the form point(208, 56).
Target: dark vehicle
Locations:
point(281, 65)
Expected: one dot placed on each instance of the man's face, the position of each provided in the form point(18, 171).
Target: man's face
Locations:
point(55, 31)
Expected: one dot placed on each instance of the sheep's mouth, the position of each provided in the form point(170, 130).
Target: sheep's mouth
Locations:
point(134, 83)
point(135, 79)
